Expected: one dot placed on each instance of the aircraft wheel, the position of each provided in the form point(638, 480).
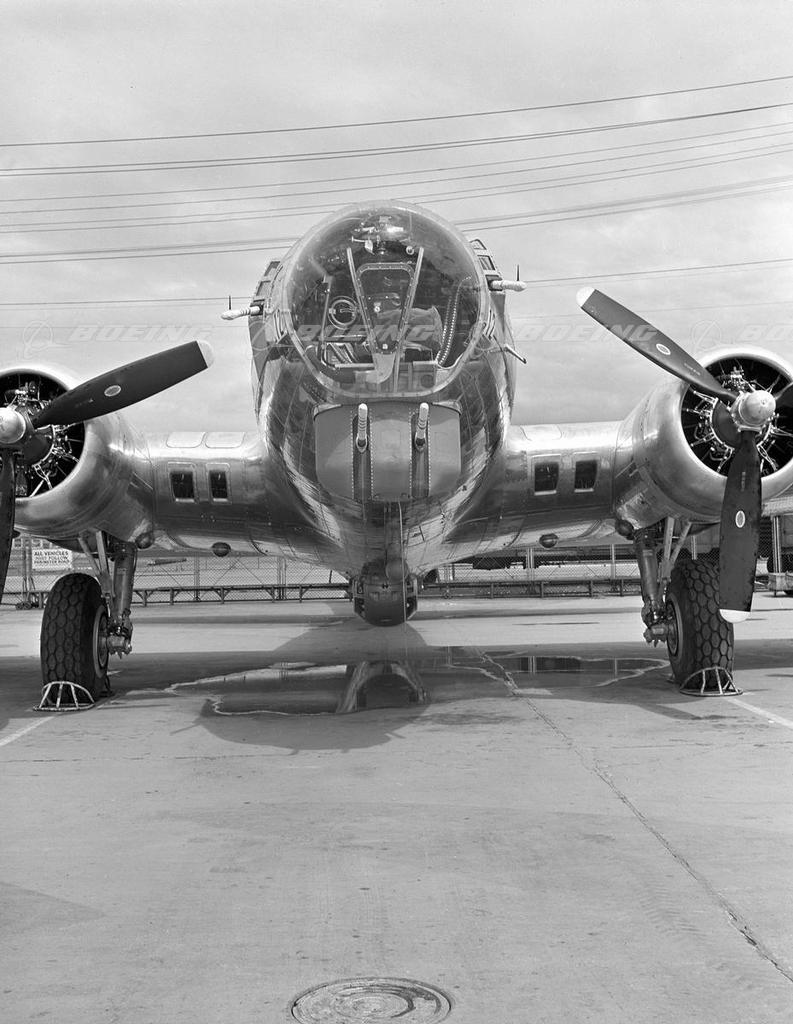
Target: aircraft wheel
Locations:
point(74, 634)
point(698, 637)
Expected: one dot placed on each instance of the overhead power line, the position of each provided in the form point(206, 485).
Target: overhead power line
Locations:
point(705, 268)
point(329, 154)
point(508, 188)
point(325, 180)
point(401, 120)
point(528, 317)
point(243, 295)
point(522, 318)
point(661, 271)
point(690, 197)
point(381, 186)
point(521, 219)
point(149, 252)
point(82, 303)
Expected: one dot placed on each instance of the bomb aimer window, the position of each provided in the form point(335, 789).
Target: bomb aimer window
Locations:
point(375, 289)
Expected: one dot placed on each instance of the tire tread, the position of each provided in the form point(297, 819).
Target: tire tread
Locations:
point(68, 616)
point(710, 639)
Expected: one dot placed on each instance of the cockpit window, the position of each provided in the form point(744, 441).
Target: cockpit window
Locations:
point(376, 289)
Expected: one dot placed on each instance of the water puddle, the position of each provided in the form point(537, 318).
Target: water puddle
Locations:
point(448, 674)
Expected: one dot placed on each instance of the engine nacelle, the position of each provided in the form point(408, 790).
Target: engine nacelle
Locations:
point(671, 457)
point(96, 474)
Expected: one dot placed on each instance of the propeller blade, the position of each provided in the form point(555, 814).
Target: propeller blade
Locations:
point(784, 399)
point(126, 385)
point(7, 502)
point(650, 342)
point(740, 530)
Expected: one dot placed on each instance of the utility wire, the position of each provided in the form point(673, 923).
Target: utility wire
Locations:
point(741, 155)
point(238, 297)
point(505, 222)
point(508, 188)
point(528, 317)
point(662, 271)
point(148, 252)
point(81, 303)
point(430, 170)
point(521, 219)
point(401, 120)
point(637, 205)
point(168, 165)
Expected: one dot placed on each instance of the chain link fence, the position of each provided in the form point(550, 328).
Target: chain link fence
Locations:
point(174, 578)
point(170, 578)
point(539, 572)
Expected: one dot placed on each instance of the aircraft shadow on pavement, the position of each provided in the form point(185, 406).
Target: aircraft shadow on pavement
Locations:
point(305, 693)
point(301, 694)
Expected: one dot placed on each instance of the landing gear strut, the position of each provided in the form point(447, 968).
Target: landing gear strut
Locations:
point(86, 619)
point(681, 607)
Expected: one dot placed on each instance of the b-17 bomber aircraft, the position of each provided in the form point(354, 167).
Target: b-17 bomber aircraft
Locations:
point(383, 383)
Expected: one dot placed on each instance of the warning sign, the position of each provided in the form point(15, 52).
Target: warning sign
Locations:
point(51, 559)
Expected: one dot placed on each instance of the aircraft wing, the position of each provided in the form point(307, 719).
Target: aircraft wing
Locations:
point(194, 490)
point(549, 481)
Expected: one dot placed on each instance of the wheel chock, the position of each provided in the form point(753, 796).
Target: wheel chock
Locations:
point(713, 681)
point(62, 695)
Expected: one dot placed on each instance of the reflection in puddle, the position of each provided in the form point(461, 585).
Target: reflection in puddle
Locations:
point(376, 684)
point(577, 671)
point(442, 676)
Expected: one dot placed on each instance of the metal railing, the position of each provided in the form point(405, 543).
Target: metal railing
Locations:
point(172, 579)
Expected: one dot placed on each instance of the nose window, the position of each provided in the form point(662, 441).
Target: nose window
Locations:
point(386, 294)
point(374, 290)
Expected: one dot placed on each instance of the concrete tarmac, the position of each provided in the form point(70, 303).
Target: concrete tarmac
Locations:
point(524, 815)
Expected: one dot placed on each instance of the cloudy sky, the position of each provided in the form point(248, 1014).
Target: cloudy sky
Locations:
point(641, 147)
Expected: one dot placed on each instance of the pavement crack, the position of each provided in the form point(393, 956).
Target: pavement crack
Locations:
point(736, 920)
point(498, 673)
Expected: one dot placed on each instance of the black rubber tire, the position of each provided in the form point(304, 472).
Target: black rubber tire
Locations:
point(698, 636)
point(74, 616)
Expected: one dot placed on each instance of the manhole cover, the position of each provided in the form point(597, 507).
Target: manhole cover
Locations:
point(372, 1001)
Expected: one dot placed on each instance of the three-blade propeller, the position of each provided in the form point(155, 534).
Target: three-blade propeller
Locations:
point(749, 412)
point(106, 393)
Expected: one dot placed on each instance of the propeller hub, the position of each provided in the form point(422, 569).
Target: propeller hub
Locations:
point(13, 426)
point(753, 410)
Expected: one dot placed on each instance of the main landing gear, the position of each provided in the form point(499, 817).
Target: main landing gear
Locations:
point(681, 607)
point(86, 619)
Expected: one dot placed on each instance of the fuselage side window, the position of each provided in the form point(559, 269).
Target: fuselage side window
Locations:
point(586, 472)
point(218, 485)
point(183, 485)
point(546, 477)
